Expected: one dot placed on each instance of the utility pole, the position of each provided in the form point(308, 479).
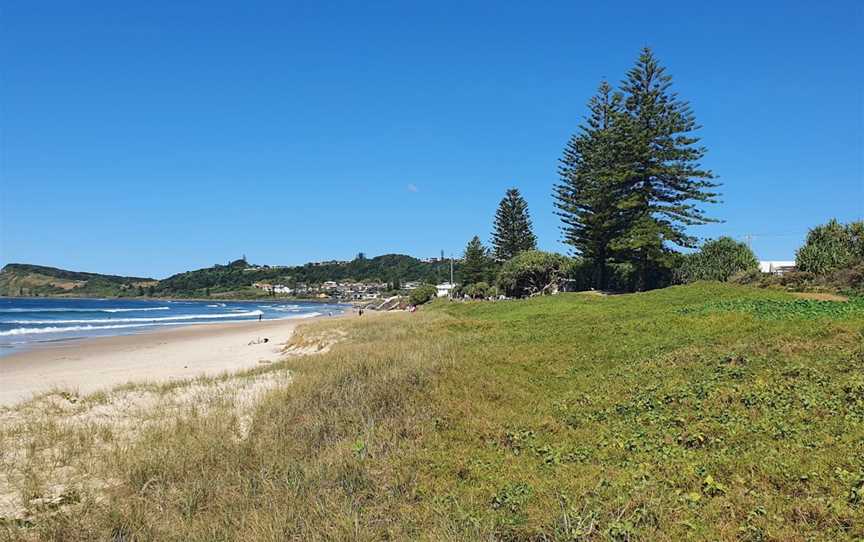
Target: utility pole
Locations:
point(451, 269)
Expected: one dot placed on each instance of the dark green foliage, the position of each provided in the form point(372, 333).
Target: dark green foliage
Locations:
point(422, 294)
point(388, 268)
point(631, 183)
point(533, 272)
point(476, 263)
point(394, 284)
point(719, 259)
point(832, 246)
point(589, 197)
point(667, 182)
point(512, 231)
point(479, 290)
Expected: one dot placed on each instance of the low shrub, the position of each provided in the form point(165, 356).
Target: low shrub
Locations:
point(422, 294)
point(533, 272)
point(832, 246)
point(719, 259)
point(480, 290)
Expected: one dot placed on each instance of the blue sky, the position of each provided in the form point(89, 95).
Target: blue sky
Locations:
point(149, 138)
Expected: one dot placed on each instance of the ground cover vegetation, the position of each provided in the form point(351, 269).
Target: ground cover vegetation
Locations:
point(573, 417)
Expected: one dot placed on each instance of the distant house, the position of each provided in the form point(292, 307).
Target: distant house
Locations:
point(776, 267)
point(330, 286)
point(410, 285)
point(444, 289)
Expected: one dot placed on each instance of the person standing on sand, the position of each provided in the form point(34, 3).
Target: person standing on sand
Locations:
point(260, 316)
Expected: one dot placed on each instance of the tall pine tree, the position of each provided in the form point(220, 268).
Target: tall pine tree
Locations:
point(512, 232)
point(476, 263)
point(666, 181)
point(591, 195)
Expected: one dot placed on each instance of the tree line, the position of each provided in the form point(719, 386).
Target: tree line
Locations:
point(630, 186)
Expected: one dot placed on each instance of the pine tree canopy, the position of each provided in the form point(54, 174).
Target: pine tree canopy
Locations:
point(476, 264)
point(591, 196)
point(630, 179)
point(667, 180)
point(512, 232)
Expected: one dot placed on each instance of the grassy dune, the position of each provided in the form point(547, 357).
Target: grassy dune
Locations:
point(705, 412)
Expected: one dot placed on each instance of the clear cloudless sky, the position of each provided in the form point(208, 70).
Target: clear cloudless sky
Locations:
point(149, 138)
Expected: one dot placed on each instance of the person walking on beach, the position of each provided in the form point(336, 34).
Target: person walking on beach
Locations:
point(260, 316)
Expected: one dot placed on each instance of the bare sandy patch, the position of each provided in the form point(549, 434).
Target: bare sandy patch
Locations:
point(820, 296)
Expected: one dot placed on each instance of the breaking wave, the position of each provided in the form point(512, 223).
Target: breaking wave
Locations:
point(58, 309)
point(67, 329)
point(128, 320)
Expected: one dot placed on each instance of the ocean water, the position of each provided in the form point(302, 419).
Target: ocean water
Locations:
point(25, 322)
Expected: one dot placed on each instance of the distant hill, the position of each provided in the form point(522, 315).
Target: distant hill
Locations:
point(18, 279)
point(237, 277)
point(232, 280)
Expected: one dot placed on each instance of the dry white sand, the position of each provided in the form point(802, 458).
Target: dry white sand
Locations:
point(94, 364)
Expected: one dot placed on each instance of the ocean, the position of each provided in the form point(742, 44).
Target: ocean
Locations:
point(25, 322)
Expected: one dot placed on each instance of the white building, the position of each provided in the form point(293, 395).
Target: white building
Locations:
point(444, 289)
point(776, 267)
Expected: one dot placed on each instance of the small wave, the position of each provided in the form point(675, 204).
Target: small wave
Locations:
point(306, 315)
point(58, 309)
point(283, 308)
point(136, 310)
point(128, 320)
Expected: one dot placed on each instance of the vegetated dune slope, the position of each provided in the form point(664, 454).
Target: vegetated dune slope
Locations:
point(705, 412)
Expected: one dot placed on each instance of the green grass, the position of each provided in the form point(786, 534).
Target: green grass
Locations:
point(784, 308)
point(574, 417)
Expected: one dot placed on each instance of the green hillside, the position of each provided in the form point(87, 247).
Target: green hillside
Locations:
point(18, 279)
point(232, 280)
point(238, 276)
point(700, 412)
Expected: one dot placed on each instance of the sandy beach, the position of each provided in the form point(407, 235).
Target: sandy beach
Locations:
point(93, 364)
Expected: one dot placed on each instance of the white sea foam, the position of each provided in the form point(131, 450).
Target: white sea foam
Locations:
point(136, 310)
point(281, 308)
point(128, 320)
point(306, 315)
point(69, 329)
point(78, 309)
point(66, 329)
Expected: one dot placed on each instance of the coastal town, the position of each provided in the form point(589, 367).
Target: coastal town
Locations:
point(347, 290)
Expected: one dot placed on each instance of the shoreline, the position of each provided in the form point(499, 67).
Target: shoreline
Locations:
point(99, 363)
point(333, 300)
